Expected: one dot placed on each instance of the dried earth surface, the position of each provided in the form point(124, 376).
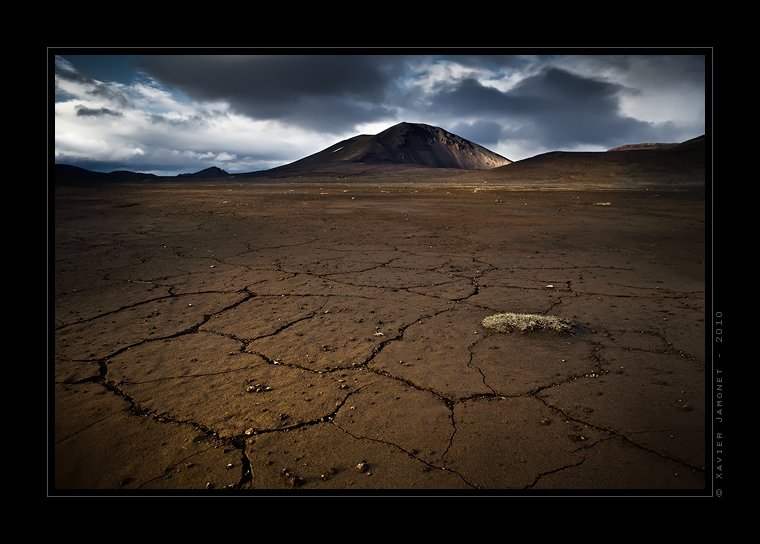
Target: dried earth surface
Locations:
point(320, 336)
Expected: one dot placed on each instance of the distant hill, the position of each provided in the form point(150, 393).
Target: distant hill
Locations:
point(694, 142)
point(212, 172)
point(404, 143)
point(638, 164)
point(65, 173)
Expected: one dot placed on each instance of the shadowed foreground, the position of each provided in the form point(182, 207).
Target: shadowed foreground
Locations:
point(330, 337)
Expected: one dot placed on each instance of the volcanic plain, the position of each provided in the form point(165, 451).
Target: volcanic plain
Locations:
point(324, 335)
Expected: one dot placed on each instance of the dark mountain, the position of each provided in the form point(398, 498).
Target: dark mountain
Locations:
point(212, 172)
point(669, 164)
point(405, 143)
point(694, 144)
point(65, 173)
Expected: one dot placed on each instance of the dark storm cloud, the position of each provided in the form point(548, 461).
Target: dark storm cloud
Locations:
point(556, 102)
point(470, 97)
point(567, 109)
point(108, 92)
point(83, 111)
point(336, 92)
point(554, 106)
point(517, 105)
point(481, 131)
point(557, 90)
point(654, 70)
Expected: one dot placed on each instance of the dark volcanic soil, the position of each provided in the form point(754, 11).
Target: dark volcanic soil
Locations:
point(327, 336)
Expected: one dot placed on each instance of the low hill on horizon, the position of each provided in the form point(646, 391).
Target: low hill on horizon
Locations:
point(66, 173)
point(211, 172)
point(636, 164)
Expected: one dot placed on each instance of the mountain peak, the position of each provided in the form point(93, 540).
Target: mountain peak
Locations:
point(433, 146)
point(405, 143)
point(212, 171)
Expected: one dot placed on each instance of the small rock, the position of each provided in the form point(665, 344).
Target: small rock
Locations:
point(292, 479)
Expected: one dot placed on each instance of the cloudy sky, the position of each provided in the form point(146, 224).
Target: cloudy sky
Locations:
point(178, 113)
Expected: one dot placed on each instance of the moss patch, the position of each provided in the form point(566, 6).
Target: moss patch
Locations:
point(509, 322)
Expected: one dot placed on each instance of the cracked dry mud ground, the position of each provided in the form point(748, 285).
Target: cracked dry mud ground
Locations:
point(263, 337)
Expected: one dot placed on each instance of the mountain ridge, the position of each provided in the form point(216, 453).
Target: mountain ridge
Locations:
point(405, 143)
point(416, 149)
point(672, 165)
